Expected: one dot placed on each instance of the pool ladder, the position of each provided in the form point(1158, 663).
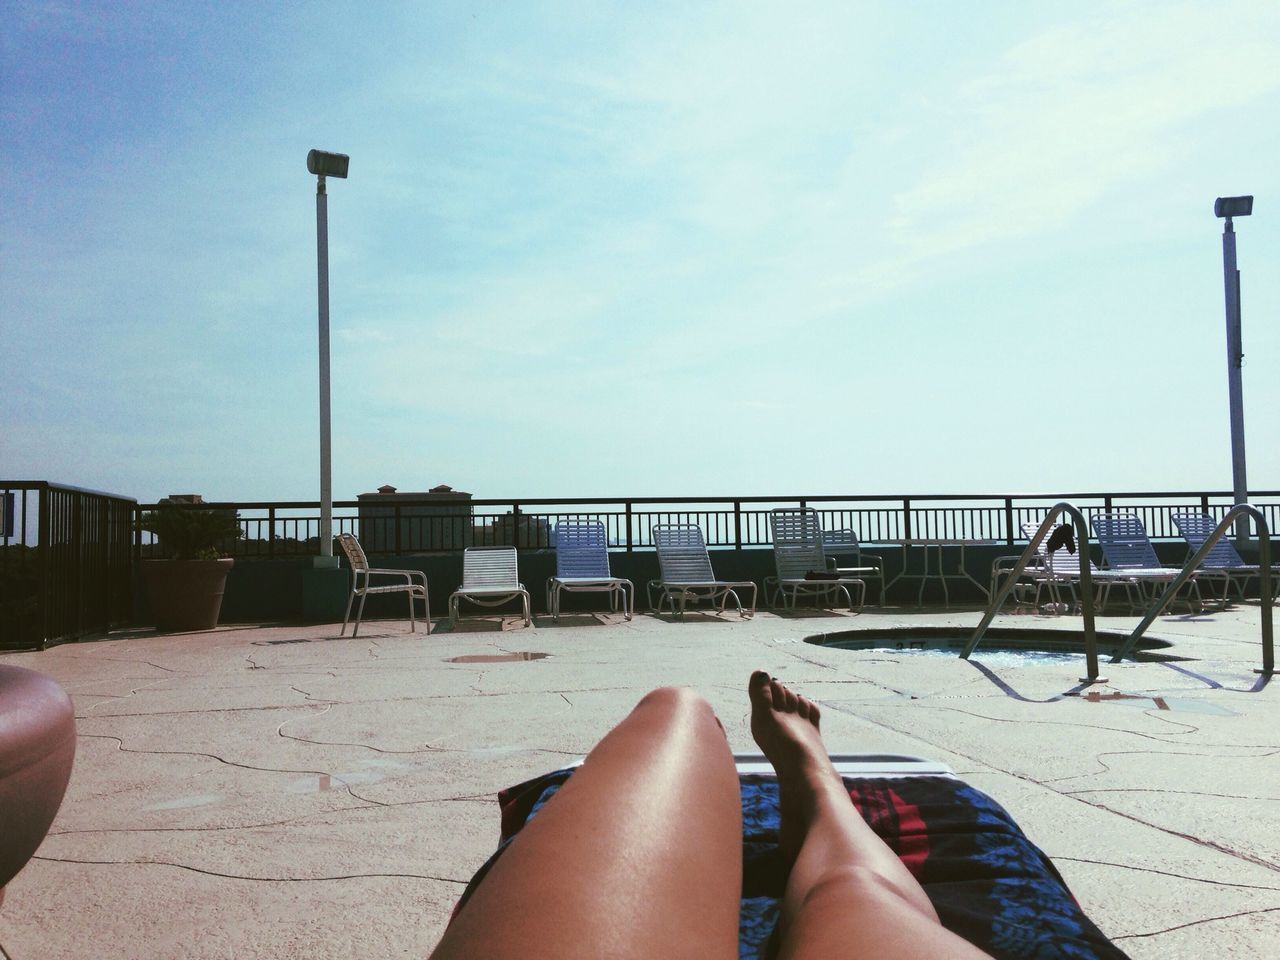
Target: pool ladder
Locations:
point(1086, 587)
point(1188, 568)
point(1266, 587)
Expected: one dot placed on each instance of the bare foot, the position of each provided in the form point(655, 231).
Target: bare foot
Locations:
point(785, 725)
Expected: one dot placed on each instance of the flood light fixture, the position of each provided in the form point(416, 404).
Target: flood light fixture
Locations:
point(325, 164)
point(1222, 207)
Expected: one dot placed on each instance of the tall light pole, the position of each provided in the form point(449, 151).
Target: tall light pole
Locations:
point(323, 165)
point(1228, 207)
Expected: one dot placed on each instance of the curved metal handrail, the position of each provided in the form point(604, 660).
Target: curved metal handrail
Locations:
point(1188, 568)
point(1086, 587)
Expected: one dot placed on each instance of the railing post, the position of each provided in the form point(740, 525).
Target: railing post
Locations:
point(271, 531)
point(396, 541)
point(515, 525)
point(737, 524)
point(42, 535)
point(630, 539)
point(906, 518)
point(1008, 521)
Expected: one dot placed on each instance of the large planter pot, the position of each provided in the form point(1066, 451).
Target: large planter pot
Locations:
point(186, 594)
point(37, 745)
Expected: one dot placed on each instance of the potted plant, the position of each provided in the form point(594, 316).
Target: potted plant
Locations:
point(185, 589)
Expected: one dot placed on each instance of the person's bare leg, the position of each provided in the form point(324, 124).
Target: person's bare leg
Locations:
point(848, 894)
point(638, 855)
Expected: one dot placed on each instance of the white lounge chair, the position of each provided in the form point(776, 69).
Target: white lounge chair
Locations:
point(843, 542)
point(490, 578)
point(686, 572)
point(1061, 568)
point(1128, 550)
point(1223, 560)
point(802, 568)
point(361, 585)
point(582, 565)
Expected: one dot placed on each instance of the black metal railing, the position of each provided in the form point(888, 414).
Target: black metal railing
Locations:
point(65, 562)
point(281, 529)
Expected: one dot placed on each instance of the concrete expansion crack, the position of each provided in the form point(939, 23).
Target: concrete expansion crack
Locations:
point(367, 804)
point(214, 756)
point(237, 876)
point(1089, 726)
point(1106, 768)
point(111, 698)
point(1196, 923)
point(1166, 873)
point(1175, 793)
point(123, 660)
point(180, 713)
point(342, 743)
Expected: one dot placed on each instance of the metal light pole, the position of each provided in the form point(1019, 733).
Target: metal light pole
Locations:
point(324, 164)
point(1228, 207)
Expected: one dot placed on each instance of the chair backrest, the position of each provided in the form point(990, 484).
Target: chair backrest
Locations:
point(1060, 562)
point(843, 540)
point(355, 553)
point(1124, 541)
point(490, 567)
point(682, 553)
point(581, 549)
point(797, 542)
point(1196, 528)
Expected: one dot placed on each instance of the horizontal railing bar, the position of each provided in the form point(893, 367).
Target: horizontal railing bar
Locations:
point(823, 498)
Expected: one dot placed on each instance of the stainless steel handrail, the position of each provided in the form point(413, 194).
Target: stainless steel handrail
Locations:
point(1086, 587)
point(1188, 568)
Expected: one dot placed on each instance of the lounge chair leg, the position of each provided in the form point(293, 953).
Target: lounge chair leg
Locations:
point(347, 616)
point(359, 615)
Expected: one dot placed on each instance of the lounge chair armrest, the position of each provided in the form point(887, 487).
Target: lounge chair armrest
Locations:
point(406, 574)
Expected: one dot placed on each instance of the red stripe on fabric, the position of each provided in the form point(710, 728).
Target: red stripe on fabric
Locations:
point(913, 834)
point(898, 823)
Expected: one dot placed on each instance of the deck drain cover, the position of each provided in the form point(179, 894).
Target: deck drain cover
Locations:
point(498, 657)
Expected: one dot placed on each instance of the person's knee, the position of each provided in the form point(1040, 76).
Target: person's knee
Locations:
point(679, 706)
point(852, 883)
point(675, 700)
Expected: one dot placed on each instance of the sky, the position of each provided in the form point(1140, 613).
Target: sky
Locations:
point(617, 249)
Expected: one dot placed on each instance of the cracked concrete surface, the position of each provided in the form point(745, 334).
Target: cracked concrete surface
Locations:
point(282, 792)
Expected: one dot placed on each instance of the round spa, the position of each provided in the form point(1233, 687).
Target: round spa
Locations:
point(37, 746)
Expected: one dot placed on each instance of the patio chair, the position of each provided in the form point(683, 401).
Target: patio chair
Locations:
point(843, 542)
point(1015, 903)
point(1223, 559)
point(490, 578)
point(1127, 549)
point(1052, 570)
point(686, 572)
point(801, 564)
point(582, 566)
point(361, 585)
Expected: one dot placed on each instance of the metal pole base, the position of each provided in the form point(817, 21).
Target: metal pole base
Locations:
point(1093, 680)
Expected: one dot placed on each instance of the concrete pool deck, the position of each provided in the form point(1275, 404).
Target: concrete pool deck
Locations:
point(278, 791)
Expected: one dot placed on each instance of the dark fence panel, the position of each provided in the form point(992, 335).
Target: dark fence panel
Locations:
point(65, 562)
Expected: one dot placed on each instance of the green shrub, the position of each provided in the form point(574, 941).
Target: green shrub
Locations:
point(192, 533)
